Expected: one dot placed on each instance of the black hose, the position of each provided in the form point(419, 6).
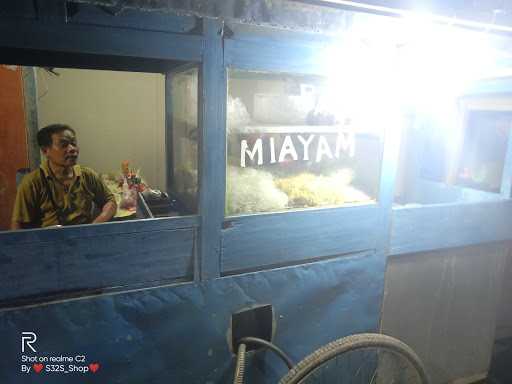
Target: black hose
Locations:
point(269, 345)
point(240, 365)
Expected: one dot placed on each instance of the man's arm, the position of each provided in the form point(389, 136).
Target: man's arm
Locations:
point(103, 197)
point(25, 213)
point(15, 225)
point(107, 212)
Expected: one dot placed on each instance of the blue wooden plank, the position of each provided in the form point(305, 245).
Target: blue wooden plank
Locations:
point(18, 9)
point(28, 269)
point(51, 11)
point(263, 241)
point(449, 225)
point(91, 231)
point(274, 33)
point(98, 262)
point(131, 18)
point(99, 40)
point(212, 178)
point(279, 56)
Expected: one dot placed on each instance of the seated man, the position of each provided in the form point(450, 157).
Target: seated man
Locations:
point(61, 192)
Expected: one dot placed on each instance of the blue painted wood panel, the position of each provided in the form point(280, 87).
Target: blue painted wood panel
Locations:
point(51, 11)
point(131, 18)
point(179, 334)
point(49, 235)
point(449, 225)
point(275, 56)
point(270, 34)
point(256, 242)
point(99, 40)
point(212, 178)
point(19, 9)
point(99, 261)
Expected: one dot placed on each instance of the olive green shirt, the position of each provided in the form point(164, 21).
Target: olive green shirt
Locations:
point(34, 208)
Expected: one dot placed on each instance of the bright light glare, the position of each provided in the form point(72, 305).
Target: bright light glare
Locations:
point(438, 62)
point(409, 61)
point(387, 68)
point(360, 73)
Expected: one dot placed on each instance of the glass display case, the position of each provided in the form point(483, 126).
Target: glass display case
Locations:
point(293, 143)
point(456, 156)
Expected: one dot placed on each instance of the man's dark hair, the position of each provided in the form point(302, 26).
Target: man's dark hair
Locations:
point(44, 136)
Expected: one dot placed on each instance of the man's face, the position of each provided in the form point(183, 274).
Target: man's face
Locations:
point(64, 149)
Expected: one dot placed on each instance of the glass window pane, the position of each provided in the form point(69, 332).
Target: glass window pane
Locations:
point(119, 119)
point(292, 144)
point(184, 138)
point(118, 122)
point(484, 149)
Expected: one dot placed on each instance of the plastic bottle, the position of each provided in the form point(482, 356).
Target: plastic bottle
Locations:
point(126, 188)
point(128, 200)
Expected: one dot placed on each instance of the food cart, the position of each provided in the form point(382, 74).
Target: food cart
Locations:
point(310, 178)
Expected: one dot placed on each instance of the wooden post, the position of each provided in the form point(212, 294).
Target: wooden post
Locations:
point(212, 153)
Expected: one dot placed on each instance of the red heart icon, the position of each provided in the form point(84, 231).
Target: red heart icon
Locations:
point(38, 367)
point(94, 367)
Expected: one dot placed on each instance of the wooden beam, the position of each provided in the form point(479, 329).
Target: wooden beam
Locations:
point(88, 231)
point(212, 158)
point(102, 261)
point(263, 241)
point(132, 19)
point(450, 225)
point(99, 40)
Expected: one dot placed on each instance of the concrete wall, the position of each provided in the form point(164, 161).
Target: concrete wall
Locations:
point(117, 115)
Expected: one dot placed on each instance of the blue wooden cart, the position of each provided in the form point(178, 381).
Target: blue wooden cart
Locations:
point(151, 300)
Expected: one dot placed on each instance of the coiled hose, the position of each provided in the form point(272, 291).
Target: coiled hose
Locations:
point(240, 356)
point(240, 365)
point(267, 344)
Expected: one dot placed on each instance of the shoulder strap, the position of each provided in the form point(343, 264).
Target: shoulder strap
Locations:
point(61, 218)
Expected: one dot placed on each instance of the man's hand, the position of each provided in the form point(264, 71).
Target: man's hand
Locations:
point(107, 212)
point(16, 225)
